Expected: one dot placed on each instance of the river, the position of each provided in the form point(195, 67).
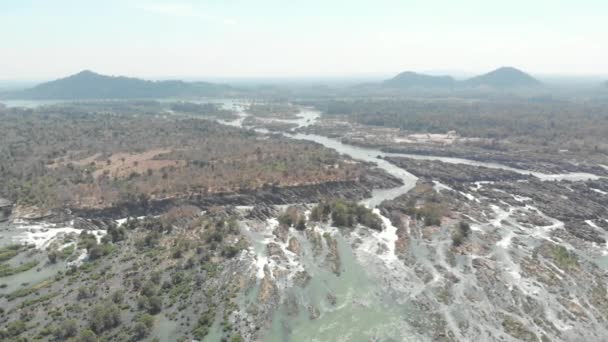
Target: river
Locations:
point(378, 297)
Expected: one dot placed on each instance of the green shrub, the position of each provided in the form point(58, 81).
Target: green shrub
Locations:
point(6, 270)
point(104, 317)
point(463, 230)
point(345, 214)
point(15, 328)
point(87, 336)
point(66, 329)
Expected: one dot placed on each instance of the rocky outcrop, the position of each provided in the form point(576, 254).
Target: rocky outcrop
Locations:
point(262, 197)
point(316, 241)
point(542, 162)
point(6, 207)
point(269, 293)
point(453, 174)
point(281, 232)
point(333, 256)
point(275, 251)
point(302, 278)
point(569, 202)
point(32, 213)
point(261, 212)
point(294, 246)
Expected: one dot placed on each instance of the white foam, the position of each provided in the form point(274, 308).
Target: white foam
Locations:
point(440, 186)
point(122, 221)
point(80, 259)
point(469, 196)
point(592, 224)
point(505, 242)
point(42, 234)
point(388, 236)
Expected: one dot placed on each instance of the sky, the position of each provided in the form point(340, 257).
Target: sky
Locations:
point(46, 39)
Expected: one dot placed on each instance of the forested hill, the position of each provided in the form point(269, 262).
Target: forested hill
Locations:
point(90, 85)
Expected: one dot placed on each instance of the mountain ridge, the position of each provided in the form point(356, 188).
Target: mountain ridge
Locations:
point(87, 84)
point(414, 79)
point(503, 77)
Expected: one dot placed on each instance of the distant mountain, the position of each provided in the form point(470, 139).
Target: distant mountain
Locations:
point(411, 79)
point(505, 77)
point(90, 85)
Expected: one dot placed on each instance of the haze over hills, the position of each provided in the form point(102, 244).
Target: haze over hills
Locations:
point(90, 85)
point(504, 77)
point(412, 79)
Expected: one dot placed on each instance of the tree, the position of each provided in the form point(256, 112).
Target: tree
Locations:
point(87, 336)
point(285, 219)
point(118, 296)
point(96, 251)
point(85, 292)
point(140, 330)
point(53, 254)
point(66, 329)
point(301, 224)
point(237, 338)
point(155, 305)
point(148, 289)
point(315, 214)
point(104, 317)
point(339, 215)
point(148, 320)
point(463, 230)
point(117, 233)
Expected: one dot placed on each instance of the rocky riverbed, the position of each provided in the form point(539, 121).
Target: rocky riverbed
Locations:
point(451, 252)
point(531, 266)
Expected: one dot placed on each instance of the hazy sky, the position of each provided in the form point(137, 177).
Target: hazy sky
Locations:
point(42, 39)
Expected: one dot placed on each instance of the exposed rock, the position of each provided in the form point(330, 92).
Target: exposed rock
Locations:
point(93, 224)
point(331, 299)
point(274, 250)
point(583, 231)
point(333, 256)
point(30, 213)
point(6, 207)
point(517, 329)
point(269, 293)
point(261, 212)
point(294, 246)
point(313, 312)
point(281, 232)
point(541, 162)
point(262, 197)
point(451, 174)
point(302, 279)
point(315, 239)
